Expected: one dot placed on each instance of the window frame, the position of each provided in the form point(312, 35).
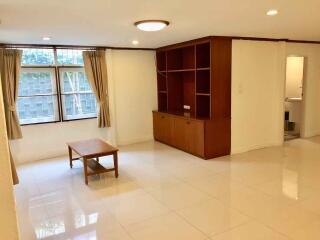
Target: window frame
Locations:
point(56, 69)
point(52, 68)
point(60, 69)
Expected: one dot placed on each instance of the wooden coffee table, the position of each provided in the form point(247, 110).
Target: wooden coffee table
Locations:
point(90, 151)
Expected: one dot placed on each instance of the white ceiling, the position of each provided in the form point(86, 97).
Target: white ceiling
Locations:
point(110, 22)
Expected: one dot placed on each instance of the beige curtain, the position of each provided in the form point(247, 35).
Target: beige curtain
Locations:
point(96, 70)
point(15, 177)
point(10, 62)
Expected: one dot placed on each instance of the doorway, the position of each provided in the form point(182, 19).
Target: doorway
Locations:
point(293, 114)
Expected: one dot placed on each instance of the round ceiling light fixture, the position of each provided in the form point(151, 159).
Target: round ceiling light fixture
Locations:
point(151, 25)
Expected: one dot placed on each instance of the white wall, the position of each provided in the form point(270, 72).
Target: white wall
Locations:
point(49, 140)
point(132, 95)
point(258, 79)
point(311, 86)
point(294, 76)
point(134, 79)
point(8, 219)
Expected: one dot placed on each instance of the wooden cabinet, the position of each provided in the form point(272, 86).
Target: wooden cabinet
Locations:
point(162, 126)
point(188, 135)
point(180, 132)
point(195, 137)
point(194, 96)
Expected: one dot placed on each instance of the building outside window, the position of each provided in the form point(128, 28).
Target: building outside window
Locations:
point(53, 87)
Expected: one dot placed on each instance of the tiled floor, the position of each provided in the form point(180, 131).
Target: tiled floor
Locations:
point(163, 193)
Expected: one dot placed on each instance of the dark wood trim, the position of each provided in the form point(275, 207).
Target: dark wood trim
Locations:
point(37, 66)
point(303, 41)
point(261, 39)
point(129, 48)
point(77, 119)
point(185, 43)
point(59, 99)
point(82, 47)
point(204, 39)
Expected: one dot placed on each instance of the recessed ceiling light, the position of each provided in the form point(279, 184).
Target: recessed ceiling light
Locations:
point(272, 12)
point(46, 38)
point(151, 25)
point(135, 42)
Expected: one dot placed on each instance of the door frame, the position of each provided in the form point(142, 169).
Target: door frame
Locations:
point(303, 97)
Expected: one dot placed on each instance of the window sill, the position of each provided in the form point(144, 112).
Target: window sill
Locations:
point(71, 120)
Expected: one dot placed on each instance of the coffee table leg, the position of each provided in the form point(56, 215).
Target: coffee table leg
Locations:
point(115, 161)
point(85, 170)
point(70, 156)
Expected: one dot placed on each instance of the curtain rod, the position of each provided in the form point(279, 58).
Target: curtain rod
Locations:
point(8, 45)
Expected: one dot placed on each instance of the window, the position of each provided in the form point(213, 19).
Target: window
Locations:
point(53, 87)
point(37, 57)
point(37, 100)
point(78, 101)
point(69, 57)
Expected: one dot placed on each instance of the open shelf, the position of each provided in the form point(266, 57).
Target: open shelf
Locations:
point(181, 58)
point(182, 70)
point(181, 91)
point(162, 101)
point(195, 74)
point(203, 81)
point(162, 82)
point(203, 106)
point(203, 69)
point(161, 61)
point(203, 55)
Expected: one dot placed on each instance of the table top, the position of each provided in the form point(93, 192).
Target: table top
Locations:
point(92, 147)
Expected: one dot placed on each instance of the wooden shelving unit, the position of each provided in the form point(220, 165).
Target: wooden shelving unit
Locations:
point(197, 74)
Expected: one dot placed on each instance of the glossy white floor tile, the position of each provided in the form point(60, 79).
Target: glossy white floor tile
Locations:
point(250, 231)
point(164, 193)
point(212, 217)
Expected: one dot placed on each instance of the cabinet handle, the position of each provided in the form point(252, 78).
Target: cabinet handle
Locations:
point(162, 117)
point(188, 122)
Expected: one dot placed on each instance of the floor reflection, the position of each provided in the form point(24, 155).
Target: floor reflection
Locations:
point(290, 187)
point(58, 226)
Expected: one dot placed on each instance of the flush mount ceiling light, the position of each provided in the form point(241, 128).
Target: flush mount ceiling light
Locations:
point(151, 25)
point(272, 12)
point(46, 38)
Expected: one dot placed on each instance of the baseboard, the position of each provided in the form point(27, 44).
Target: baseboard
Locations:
point(122, 142)
point(41, 158)
point(253, 147)
point(311, 134)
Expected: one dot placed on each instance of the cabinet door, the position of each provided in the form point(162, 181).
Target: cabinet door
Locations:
point(195, 137)
point(162, 127)
point(179, 134)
